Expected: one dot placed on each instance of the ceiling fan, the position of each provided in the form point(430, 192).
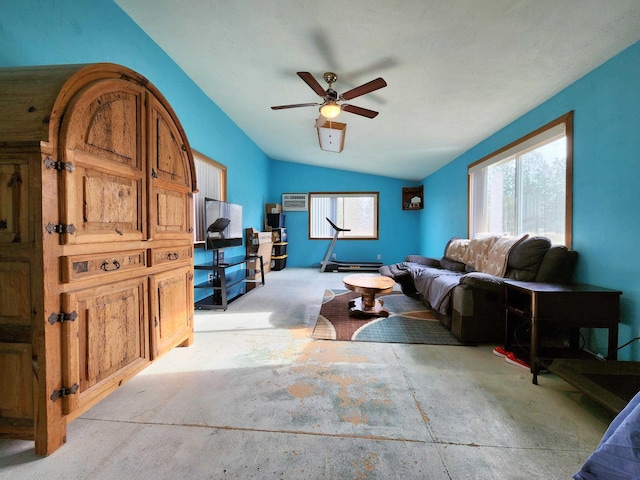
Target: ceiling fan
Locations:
point(330, 108)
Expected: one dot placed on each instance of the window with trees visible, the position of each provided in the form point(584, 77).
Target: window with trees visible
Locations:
point(526, 187)
point(355, 211)
point(212, 183)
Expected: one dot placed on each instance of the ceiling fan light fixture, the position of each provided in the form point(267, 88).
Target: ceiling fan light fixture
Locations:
point(330, 109)
point(331, 136)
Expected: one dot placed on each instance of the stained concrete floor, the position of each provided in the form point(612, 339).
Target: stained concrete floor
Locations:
point(256, 398)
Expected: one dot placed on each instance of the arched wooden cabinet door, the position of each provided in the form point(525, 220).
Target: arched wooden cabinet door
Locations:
point(170, 209)
point(102, 184)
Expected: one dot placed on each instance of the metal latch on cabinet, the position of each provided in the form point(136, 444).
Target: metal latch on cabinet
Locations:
point(60, 228)
point(62, 317)
point(59, 166)
point(64, 391)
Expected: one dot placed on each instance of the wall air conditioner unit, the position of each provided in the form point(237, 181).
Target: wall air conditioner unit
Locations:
point(295, 202)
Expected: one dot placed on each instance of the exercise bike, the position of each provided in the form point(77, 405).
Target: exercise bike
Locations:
point(338, 266)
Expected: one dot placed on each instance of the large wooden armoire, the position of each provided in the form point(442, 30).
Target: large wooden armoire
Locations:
point(96, 241)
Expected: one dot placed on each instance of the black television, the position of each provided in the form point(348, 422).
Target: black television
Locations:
point(223, 224)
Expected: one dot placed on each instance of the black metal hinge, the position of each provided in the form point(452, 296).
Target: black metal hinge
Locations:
point(60, 228)
point(59, 166)
point(64, 391)
point(62, 317)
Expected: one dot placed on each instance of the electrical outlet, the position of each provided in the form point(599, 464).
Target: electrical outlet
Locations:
point(379, 256)
point(210, 277)
point(333, 256)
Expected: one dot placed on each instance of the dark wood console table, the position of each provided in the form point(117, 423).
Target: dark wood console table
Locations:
point(571, 306)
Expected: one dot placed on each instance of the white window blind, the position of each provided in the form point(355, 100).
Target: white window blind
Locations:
point(356, 211)
point(212, 183)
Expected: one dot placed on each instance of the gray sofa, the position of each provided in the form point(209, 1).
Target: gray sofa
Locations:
point(465, 286)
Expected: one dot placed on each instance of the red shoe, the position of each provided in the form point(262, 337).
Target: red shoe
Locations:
point(500, 352)
point(513, 360)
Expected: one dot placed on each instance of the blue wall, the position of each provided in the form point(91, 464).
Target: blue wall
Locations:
point(606, 194)
point(398, 229)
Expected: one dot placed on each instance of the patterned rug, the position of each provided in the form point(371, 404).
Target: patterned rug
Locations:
point(409, 321)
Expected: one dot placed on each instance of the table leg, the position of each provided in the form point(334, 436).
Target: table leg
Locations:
point(612, 353)
point(533, 359)
point(369, 301)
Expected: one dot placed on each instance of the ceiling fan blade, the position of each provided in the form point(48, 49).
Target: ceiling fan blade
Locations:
point(364, 89)
point(312, 82)
point(320, 121)
point(295, 105)
point(365, 112)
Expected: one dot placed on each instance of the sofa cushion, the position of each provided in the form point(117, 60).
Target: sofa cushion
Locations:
point(401, 275)
point(557, 265)
point(429, 262)
point(484, 281)
point(526, 257)
point(450, 264)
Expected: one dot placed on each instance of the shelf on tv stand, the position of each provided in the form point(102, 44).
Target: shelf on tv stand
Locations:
point(222, 281)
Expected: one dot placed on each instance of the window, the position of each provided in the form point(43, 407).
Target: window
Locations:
point(526, 186)
point(357, 211)
point(212, 183)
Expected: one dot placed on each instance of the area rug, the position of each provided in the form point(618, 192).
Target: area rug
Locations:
point(409, 321)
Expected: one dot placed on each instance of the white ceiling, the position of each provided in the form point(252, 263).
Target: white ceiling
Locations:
point(457, 70)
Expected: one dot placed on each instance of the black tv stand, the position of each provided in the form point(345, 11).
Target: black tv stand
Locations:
point(224, 277)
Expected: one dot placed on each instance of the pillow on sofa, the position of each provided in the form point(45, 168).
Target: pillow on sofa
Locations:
point(526, 257)
point(456, 248)
point(494, 262)
point(478, 248)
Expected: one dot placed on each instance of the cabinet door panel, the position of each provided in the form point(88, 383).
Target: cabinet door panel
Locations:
point(108, 338)
point(103, 192)
point(106, 123)
point(172, 299)
point(104, 207)
point(172, 213)
point(14, 206)
point(15, 293)
point(171, 200)
point(16, 381)
point(167, 151)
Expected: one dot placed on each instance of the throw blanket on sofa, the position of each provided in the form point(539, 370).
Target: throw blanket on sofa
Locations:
point(436, 293)
point(486, 253)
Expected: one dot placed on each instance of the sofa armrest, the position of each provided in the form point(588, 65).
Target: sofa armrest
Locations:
point(427, 261)
point(400, 275)
point(483, 281)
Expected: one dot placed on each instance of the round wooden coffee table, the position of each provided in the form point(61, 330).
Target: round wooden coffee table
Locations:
point(369, 286)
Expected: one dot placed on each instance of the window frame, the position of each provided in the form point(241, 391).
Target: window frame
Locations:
point(376, 220)
point(203, 191)
point(521, 146)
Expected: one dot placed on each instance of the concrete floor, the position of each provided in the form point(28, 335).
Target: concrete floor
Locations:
point(256, 398)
